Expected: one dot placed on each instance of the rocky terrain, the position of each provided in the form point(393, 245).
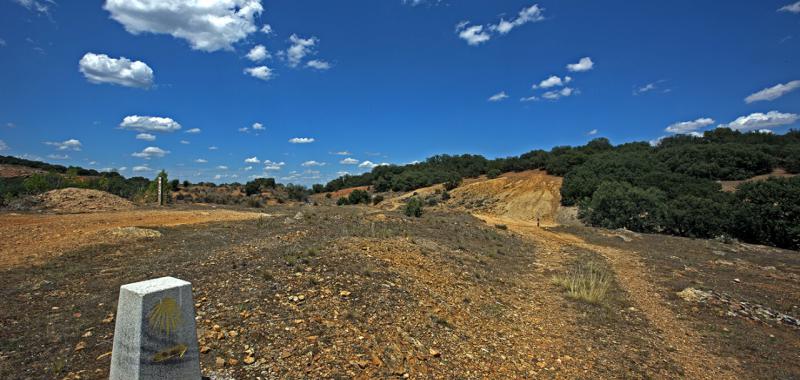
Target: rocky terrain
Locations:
point(465, 291)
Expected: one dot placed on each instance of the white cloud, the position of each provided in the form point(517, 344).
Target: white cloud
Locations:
point(793, 8)
point(40, 6)
point(371, 165)
point(558, 94)
point(201, 161)
point(2, 42)
point(261, 72)
point(342, 153)
point(530, 14)
point(258, 127)
point(478, 34)
point(270, 165)
point(58, 156)
point(758, 120)
point(773, 92)
point(312, 163)
point(149, 124)
point(222, 167)
point(301, 47)
point(212, 148)
point(585, 64)
point(349, 161)
point(193, 130)
point(100, 68)
point(142, 168)
point(474, 35)
point(3, 146)
point(252, 160)
point(553, 81)
point(498, 96)
point(184, 142)
point(689, 126)
point(301, 140)
point(318, 64)
point(258, 53)
point(207, 25)
point(592, 132)
point(266, 29)
point(531, 98)
point(71, 144)
point(145, 137)
point(150, 152)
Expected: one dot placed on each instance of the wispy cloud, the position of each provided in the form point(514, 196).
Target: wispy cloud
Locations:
point(690, 126)
point(301, 140)
point(71, 144)
point(478, 34)
point(498, 97)
point(150, 152)
point(773, 92)
point(792, 8)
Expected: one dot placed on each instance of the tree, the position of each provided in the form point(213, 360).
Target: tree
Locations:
point(151, 194)
point(358, 196)
point(493, 173)
point(768, 212)
point(619, 204)
point(174, 184)
point(413, 207)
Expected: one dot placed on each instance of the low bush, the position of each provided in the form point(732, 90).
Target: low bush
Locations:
point(413, 207)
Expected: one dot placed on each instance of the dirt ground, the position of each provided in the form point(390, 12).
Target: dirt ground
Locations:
point(365, 293)
point(31, 238)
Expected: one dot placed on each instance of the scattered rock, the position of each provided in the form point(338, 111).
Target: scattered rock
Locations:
point(135, 232)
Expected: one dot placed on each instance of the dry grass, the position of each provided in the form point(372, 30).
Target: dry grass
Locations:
point(587, 281)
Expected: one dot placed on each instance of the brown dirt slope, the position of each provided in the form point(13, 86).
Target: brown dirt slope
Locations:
point(31, 239)
point(8, 171)
point(730, 186)
point(521, 196)
point(73, 200)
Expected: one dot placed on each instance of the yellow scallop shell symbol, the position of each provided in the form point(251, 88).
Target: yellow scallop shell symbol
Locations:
point(165, 316)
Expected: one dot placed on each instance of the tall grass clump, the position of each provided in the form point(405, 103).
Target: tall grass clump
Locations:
point(587, 281)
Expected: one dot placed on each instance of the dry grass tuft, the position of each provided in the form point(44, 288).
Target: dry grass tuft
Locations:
point(588, 281)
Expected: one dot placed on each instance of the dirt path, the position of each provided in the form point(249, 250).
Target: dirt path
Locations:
point(34, 238)
point(681, 340)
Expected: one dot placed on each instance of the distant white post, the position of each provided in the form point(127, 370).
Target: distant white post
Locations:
point(155, 335)
point(160, 196)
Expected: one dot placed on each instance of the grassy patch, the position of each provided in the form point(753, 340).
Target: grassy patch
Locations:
point(587, 281)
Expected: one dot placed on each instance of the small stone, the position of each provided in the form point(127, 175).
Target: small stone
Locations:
point(216, 328)
point(205, 349)
point(249, 360)
point(81, 345)
point(109, 318)
point(107, 354)
point(232, 333)
point(232, 362)
point(736, 280)
point(87, 334)
point(219, 362)
point(344, 293)
point(434, 353)
point(541, 364)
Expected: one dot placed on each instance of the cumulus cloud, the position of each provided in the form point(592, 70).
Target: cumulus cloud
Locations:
point(261, 72)
point(758, 120)
point(558, 94)
point(146, 137)
point(206, 25)
point(150, 152)
point(258, 53)
point(792, 8)
point(312, 163)
point(184, 142)
point(271, 166)
point(201, 160)
point(318, 64)
point(3, 146)
point(252, 160)
point(71, 144)
point(258, 127)
point(349, 161)
point(100, 68)
point(533, 13)
point(584, 64)
point(689, 126)
point(149, 124)
point(301, 140)
point(478, 34)
point(498, 96)
point(371, 165)
point(193, 130)
point(142, 168)
point(553, 81)
point(266, 29)
point(301, 47)
point(773, 92)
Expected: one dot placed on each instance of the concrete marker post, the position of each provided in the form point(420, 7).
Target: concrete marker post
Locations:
point(155, 335)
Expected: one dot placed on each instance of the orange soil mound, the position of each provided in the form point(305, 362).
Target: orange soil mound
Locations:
point(72, 200)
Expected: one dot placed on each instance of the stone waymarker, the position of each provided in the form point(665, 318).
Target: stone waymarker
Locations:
point(155, 335)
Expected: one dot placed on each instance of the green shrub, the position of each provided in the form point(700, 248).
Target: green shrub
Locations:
point(343, 201)
point(492, 174)
point(413, 207)
point(377, 199)
point(358, 196)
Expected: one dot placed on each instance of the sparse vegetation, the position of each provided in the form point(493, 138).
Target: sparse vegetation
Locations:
point(413, 207)
point(587, 281)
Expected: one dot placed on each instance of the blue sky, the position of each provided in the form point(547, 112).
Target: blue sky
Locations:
point(387, 81)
